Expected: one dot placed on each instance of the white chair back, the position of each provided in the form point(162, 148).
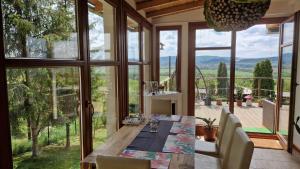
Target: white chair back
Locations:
point(232, 123)
point(241, 151)
point(110, 162)
point(222, 123)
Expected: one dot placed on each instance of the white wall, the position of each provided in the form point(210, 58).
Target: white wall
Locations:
point(278, 8)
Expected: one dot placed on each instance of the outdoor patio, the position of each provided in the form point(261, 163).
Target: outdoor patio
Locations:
point(251, 117)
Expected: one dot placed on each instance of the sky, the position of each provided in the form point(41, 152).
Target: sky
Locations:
point(254, 42)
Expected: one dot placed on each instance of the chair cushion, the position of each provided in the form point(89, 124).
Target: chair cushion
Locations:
point(206, 162)
point(206, 148)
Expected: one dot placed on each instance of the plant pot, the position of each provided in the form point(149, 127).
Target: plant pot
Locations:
point(239, 103)
point(200, 130)
point(207, 101)
point(210, 134)
point(260, 103)
point(219, 102)
point(249, 102)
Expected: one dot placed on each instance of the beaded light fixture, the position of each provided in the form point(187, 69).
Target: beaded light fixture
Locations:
point(234, 15)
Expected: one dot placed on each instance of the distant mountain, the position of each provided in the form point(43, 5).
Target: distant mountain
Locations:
point(212, 62)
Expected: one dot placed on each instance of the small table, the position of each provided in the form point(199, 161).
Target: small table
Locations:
point(121, 139)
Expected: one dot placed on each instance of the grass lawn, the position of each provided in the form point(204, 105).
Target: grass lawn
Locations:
point(57, 156)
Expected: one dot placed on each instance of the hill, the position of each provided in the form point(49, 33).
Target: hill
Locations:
point(212, 62)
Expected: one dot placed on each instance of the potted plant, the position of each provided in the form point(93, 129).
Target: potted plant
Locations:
point(209, 130)
point(239, 94)
point(219, 101)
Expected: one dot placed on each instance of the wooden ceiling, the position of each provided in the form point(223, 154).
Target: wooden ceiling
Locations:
point(157, 8)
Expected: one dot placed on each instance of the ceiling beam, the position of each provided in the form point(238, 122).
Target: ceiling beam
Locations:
point(152, 3)
point(176, 9)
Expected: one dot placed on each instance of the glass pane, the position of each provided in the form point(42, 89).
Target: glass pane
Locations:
point(44, 109)
point(40, 29)
point(288, 32)
point(168, 59)
point(256, 73)
point(286, 74)
point(104, 99)
point(134, 95)
point(147, 73)
point(133, 46)
point(101, 30)
point(212, 38)
point(146, 45)
point(212, 79)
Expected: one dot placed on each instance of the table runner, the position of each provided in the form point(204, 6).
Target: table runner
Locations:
point(146, 141)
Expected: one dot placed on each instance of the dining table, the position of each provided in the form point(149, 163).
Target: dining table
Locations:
point(171, 147)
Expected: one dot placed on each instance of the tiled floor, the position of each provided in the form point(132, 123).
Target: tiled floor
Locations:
point(273, 159)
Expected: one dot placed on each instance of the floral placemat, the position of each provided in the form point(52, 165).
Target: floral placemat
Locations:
point(183, 128)
point(180, 143)
point(158, 160)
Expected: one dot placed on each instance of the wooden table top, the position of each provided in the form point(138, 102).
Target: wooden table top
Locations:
point(114, 146)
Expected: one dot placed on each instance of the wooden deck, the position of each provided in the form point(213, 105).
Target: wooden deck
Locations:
point(251, 117)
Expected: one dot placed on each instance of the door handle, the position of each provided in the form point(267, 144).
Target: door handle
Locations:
point(91, 108)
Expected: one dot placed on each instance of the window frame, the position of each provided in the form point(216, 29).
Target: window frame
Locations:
point(84, 63)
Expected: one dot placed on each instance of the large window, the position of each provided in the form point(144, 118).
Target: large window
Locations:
point(169, 39)
point(44, 103)
point(66, 72)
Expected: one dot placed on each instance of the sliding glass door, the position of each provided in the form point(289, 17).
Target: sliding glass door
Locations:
point(256, 73)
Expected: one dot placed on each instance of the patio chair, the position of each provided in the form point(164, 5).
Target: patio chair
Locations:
point(239, 156)
point(114, 162)
point(210, 148)
point(225, 144)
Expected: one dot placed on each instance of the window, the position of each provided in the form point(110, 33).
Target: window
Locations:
point(133, 40)
point(146, 56)
point(44, 110)
point(40, 29)
point(169, 39)
point(104, 99)
point(104, 77)
point(134, 82)
point(135, 66)
point(101, 30)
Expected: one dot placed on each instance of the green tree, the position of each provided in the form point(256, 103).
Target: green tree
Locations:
point(263, 83)
point(33, 24)
point(222, 80)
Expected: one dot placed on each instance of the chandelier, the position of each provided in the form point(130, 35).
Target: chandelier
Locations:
point(234, 15)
